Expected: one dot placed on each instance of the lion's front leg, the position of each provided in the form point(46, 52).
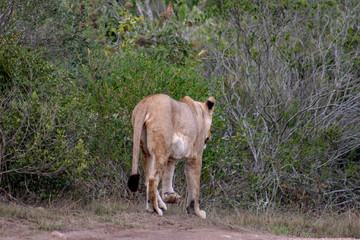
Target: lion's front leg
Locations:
point(167, 191)
point(192, 172)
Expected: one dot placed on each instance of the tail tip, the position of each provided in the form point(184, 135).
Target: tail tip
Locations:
point(133, 182)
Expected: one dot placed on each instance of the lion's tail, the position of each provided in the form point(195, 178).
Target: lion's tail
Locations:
point(138, 120)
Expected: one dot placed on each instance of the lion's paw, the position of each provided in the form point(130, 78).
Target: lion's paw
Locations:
point(151, 209)
point(171, 197)
point(159, 212)
point(201, 214)
point(162, 205)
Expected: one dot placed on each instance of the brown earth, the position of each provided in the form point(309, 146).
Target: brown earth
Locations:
point(130, 224)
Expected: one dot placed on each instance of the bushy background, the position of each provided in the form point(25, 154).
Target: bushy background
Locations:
point(285, 74)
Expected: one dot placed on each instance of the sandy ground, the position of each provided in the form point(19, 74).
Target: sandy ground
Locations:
point(137, 225)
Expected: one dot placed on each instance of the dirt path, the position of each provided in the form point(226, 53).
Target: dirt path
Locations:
point(171, 233)
point(134, 225)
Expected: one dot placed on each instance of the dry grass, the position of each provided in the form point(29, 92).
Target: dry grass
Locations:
point(38, 218)
point(62, 217)
point(302, 225)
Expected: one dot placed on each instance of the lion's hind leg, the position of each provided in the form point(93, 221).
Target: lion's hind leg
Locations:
point(159, 148)
point(153, 195)
point(161, 203)
point(148, 164)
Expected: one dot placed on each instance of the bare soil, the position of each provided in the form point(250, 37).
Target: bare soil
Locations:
point(135, 224)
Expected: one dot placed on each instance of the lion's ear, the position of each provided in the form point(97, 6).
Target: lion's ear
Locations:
point(210, 103)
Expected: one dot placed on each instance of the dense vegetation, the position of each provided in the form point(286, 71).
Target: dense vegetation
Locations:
point(286, 76)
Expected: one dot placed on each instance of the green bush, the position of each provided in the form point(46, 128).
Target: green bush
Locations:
point(37, 155)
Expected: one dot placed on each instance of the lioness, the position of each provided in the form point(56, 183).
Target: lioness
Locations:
point(168, 131)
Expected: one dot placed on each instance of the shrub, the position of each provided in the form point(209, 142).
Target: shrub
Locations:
point(37, 157)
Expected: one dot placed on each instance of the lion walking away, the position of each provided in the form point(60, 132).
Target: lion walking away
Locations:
point(167, 131)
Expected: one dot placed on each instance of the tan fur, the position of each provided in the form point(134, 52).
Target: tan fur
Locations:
point(167, 131)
